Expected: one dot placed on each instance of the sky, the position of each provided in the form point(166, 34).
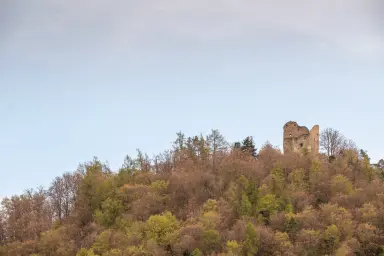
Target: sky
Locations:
point(102, 78)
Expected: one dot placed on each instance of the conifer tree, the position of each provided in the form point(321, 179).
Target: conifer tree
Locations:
point(248, 145)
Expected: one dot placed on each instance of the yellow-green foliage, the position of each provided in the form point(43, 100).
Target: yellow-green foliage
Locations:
point(233, 247)
point(211, 240)
point(85, 252)
point(159, 227)
point(367, 168)
point(264, 190)
point(210, 219)
point(196, 252)
point(160, 186)
point(283, 241)
point(341, 184)
point(331, 238)
point(297, 180)
point(137, 250)
point(210, 205)
point(268, 203)
point(113, 252)
point(103, 242)
point(245, 206)
point(277, 181)
point(251, 243)
point(110, 210)
point(291, 223)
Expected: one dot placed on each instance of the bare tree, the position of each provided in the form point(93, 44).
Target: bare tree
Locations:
point(163, 162)
point(217, 144)
point(62, 194)
point(56, 193)
point(349, 145)
point(332, 141)
point(26, 216)
point(41, 212)
point(143, 161)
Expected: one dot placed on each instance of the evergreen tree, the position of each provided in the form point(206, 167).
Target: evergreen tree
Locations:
point(364, 155)
point(237, 145)
point(380, 164)
point(179, 143)
point(249, 146)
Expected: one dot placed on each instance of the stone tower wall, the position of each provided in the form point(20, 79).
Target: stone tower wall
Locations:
point(314, 135)
point(299, 139)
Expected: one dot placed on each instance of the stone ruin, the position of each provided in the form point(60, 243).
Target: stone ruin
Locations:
point(301, 140)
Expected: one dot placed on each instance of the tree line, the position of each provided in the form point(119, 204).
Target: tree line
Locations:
point(205, 196)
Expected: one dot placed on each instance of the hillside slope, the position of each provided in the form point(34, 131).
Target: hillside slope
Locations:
point(204, 197)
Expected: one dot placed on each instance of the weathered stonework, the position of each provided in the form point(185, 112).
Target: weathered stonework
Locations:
point(300, 139)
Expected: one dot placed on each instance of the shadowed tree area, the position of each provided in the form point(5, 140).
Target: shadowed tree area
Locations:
point(205, 197)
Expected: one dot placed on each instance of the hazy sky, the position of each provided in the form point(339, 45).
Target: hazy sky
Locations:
point(101, 78)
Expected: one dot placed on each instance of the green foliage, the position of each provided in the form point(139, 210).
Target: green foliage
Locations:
point(160, 226)
point(211, 240)
point(85, 252)
point(283, 241)
point(108, 240)
point(289, 208)
point(331, 238)
point(196, 252)
point(298, 180)
point(245, 207)
point(209, 205)
point(364, 154)
point(113, 252)
point(277, 181)
point(248, 146)
point(110, 210)
point(233, 247)
point(160, 186)
point(126, 173)
point(249, 197)
point(367, 168)
point(252, 193)
point(291, 225)
point(341, 184)
point(237, 145)
point(315, 166)
point(179, 143)
point(268, 203)
point(137, 250)
point(251, 244)
point(96, 186)
point(210, 219)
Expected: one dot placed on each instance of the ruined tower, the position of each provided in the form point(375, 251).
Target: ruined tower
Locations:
point(300, 139)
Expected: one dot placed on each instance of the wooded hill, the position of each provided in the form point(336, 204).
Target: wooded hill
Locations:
point(204, 197)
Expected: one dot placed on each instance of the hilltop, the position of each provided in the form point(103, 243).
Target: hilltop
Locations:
point(206, 197)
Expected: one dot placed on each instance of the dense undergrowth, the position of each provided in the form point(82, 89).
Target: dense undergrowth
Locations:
point(204, 198)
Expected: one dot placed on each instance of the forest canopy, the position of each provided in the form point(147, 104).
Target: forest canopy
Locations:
point(205, 196)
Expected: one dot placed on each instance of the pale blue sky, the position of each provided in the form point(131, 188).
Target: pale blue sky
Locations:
point(101, 78)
